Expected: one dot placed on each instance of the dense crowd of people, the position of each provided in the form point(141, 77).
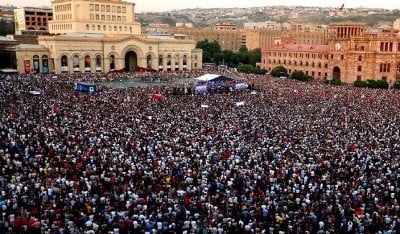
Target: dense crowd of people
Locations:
point(291, 157)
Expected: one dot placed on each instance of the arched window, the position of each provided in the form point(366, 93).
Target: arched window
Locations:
point(184, 62)
point(87, 63)
point(98, 63)
point(64, 63)
point(148, 61)
point(36, 67)
point(112, 62)
point(75, 63)
point(45, 64)
point(360, 58)
point(176, 62)
point(87, 27)
point(160, 62)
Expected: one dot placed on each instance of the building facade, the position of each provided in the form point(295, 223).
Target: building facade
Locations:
point(82, 49)
point(231, 40)
point(258, 38)
point(352, 53)
point(99, 16)
point(31, 19)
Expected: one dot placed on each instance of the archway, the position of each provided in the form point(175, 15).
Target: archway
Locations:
point(336, 73)
point(130, 61)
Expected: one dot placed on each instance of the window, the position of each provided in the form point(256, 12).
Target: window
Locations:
point(358, 78)
point(384, 67)
point(103, 17)
point(113, 8)
point(91, 7)
point(108, 8)
point(123, 18)
point(119, 9)
point(386, 46)
point(113, 18)
point(103, 8)
point(119, 18)
point(123, 9)
point(359, 68)
point(97, 17)
point(96, 7)
point(108, 18)
point(360, 58)
point(87, 27)
point(384, 78)
point(91, 16)
point(342, 57)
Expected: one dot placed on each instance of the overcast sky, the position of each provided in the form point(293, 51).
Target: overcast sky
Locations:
point(163, 5)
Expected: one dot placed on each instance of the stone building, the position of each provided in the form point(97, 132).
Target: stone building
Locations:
point(32, 20)
point(258, 38)
point(82, 43)
point(352, 53)
point(226, 35)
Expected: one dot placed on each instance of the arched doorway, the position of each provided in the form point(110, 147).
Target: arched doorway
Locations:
point(36, 67)
point(336, 73)
point(130, 61)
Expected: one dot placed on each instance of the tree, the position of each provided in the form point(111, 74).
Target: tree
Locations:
point(300, 75)
point(278, 71)
point(210, 49)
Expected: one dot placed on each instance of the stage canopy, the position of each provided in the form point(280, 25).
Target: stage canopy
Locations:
point(213, 77)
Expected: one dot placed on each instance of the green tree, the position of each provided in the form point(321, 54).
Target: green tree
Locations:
point(300, 75)
point(210, 49)
point(278, 71)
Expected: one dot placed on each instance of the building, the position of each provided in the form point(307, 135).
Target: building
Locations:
point(262, 25)
point(99, 16)
point(258, 38)
point(81, 43)
point(396, 25)
point(32, 20)
point(352, 53)
point(225, 27)
point(228, 39)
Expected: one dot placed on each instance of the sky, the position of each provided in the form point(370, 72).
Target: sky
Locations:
point(166, 5)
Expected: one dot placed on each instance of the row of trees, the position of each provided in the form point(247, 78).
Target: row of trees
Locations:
point(244, 60)
point(281, 71)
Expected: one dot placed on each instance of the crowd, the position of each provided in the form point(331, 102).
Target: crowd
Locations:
point(293, 157)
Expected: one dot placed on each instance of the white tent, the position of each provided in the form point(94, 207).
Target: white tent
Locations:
point(212, 77)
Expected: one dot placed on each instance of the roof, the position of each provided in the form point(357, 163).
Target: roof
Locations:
point(30, 46)
point(297, 48)
point(213, 77)
point(77, 34)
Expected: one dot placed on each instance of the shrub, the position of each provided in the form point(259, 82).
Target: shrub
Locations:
point(335, 81)
point(299, 75)
point(374, 84)
point(360, 83)
point(277, 71)
point(397, 85)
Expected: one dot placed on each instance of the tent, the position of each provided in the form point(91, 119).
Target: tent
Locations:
point(213, 78)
